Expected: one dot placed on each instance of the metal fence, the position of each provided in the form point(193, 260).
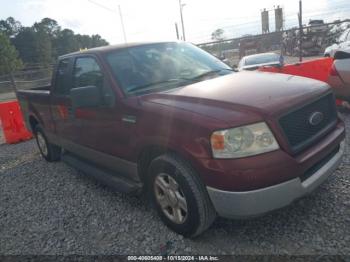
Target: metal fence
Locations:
point(315, 38)
point(24, 79)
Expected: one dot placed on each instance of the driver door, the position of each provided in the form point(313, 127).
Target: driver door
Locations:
point(105, 138)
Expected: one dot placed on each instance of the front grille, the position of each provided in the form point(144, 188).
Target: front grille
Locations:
point(300, 132)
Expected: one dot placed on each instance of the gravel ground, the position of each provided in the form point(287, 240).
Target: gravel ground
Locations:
point(54, 209)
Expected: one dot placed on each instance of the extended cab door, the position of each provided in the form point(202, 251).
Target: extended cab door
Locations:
point(66, 126)
point(104, 136)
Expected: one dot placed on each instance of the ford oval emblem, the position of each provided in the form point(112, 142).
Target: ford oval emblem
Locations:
point(316, 118)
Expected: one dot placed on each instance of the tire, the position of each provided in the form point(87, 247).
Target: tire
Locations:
point(48, 151)
point(191, 194)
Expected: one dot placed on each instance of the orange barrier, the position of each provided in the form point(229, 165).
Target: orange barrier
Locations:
point(317, 69)
point(13, 127)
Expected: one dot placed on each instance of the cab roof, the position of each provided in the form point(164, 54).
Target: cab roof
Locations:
point(110, 48)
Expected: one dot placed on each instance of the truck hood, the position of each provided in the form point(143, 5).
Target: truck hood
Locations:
point(238, 93)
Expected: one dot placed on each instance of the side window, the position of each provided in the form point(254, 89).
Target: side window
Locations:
point(61, 80)
point(87, 73)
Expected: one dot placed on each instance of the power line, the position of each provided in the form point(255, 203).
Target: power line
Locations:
point(102, 6)
point(114, 11)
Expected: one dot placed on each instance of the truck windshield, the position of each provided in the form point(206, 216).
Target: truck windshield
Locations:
point(151, 67)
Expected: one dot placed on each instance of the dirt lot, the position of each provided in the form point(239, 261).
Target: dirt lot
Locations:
point(50, 208)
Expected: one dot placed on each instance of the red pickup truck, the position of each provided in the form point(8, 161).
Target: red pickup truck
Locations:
point(202, 140)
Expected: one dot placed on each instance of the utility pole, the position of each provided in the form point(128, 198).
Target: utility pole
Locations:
point(122, 23)
point(177, 31)
point(182, 21)
point(300, 16)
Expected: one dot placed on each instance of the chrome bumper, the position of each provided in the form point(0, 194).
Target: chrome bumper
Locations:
point(257, 202)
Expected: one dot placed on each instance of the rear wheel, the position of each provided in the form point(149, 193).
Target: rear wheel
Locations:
point(48, 151)
point(179, 196)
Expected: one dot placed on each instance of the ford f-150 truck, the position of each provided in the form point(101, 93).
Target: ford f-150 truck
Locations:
point(171, 121)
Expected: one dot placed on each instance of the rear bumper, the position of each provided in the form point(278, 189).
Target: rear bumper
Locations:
point(256, 202)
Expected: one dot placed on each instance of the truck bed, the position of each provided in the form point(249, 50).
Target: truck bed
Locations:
point(35, 100)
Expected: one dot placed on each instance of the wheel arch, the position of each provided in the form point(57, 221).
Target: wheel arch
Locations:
point(152, 151)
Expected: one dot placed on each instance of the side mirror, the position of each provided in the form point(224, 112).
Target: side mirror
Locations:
point(87, 96)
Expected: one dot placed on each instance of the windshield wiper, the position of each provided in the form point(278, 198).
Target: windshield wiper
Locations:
point(211, 72)
point(136, 88)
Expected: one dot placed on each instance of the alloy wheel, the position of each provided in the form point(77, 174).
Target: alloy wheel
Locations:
point(171, 198)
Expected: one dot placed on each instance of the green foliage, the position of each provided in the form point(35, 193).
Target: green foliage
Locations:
point(49, 26)
point(43, 42)
point(9, 61)
point(218, 34)
point(25, 44)
point(10, 26)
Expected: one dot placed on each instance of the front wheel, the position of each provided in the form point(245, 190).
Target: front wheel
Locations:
point(48, 151)
point(179, 196)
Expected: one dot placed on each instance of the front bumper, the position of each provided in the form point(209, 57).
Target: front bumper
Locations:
point(256, 202)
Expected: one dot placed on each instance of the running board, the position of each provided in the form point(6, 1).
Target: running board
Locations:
point(107, 178)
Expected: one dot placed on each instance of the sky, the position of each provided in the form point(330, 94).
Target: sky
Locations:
point(148, 20)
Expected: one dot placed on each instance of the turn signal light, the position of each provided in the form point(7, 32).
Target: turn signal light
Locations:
point(217, 142)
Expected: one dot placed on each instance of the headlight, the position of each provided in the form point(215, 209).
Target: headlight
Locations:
point(243, 141)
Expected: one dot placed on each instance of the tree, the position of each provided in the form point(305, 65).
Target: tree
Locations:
point(43, 47)
point(86, 41)
point(49, 26)
point(10, 26)
point(25, 44)
point(218, 34)
point(66, 42)
point(97, 40)
point(33, 46)
point(9, 60)
point(43, 42)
